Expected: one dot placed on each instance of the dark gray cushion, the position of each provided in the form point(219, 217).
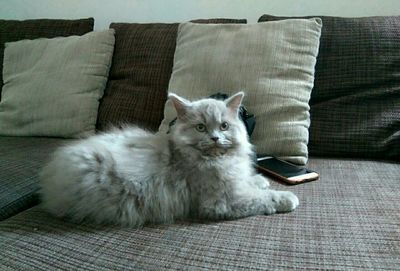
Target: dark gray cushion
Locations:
point(347, 220)
point(20, 160)
point(355, 103)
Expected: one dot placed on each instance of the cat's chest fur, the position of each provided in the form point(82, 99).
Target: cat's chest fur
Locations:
point(210, 182)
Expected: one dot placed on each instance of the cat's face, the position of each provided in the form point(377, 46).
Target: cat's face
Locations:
point(208, 126)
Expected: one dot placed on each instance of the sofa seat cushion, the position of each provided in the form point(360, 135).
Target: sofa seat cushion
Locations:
point(347, 220)
point(20, 160)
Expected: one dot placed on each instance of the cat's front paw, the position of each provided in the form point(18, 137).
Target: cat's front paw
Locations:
point(285, 201)
point(261, 182)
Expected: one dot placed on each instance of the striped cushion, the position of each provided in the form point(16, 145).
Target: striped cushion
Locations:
point(52, 86)
point(11, 30)
point(140, 72)
point(347, 220)
point(272, 62)
point(355, 103)
point(20, 161)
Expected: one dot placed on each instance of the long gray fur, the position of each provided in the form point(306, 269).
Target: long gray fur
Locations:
point(132, 177)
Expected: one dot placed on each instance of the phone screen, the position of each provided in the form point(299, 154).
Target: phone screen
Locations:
point(281, 167)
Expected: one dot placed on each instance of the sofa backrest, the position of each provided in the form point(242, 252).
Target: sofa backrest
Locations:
point(355, 102)
point(140, 72)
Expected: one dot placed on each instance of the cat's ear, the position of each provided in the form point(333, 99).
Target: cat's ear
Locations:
point(234, 102)
point(181, 105)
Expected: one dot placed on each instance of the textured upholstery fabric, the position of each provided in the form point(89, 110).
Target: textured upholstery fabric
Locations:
point(348, 220)
point(52, 87)
point(12, 30)
point(140, 72)
point(355, 103)
point(20, 160)
point(272, 62)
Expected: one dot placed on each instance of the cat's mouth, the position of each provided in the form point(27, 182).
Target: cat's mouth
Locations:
point(216, 149)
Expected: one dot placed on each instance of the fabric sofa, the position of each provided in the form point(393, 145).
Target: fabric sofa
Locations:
point(347, 220)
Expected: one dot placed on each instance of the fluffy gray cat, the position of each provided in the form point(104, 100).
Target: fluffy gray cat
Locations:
point(201, 169)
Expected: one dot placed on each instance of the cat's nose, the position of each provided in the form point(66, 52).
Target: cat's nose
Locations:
point(215, 138)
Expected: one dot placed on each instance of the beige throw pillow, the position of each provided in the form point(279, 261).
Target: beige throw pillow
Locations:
point(52, 87)
point(273, 63)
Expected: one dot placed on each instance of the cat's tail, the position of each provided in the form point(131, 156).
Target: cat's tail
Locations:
point(70, 181)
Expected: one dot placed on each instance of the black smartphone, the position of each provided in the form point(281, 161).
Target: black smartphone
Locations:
point(285, 171)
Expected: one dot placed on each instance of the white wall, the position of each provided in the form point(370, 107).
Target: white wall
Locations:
point(106, 11)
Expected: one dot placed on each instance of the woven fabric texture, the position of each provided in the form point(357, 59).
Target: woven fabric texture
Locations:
point(272, 62)
point(347, 220)
point(12, 30)
point(140, 72)
point(52, 87)
point(355, 103)
point(20, 161)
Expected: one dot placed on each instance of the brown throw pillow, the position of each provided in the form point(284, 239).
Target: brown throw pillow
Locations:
point(12, 30)
point(355, 103)
point(140, 72)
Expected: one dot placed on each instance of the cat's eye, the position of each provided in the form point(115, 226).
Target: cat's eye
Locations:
point(200, 128)
point(224, 126)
